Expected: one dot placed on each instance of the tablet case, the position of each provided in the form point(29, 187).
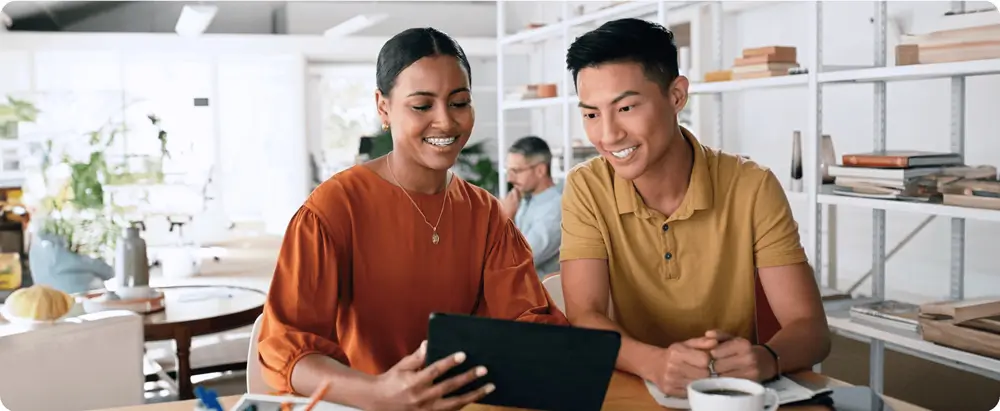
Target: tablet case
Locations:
point(534, 366)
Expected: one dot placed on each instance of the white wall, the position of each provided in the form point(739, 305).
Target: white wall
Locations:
point(759, 123)
point(261, 112)
point(254, 126)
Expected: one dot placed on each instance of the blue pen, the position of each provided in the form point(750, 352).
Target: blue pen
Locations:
point(213, 400)
point(208, 398)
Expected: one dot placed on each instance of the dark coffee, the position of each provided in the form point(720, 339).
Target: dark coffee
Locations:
point(727, 392)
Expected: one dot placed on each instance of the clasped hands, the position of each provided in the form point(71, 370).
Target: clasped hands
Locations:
point(683, 362)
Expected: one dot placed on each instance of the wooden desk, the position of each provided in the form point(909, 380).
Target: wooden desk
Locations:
point(625, 393)
point(197, 310)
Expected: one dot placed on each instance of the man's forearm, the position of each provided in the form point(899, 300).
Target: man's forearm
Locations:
point(634, 356)
point(801, 344)
point(349, 387)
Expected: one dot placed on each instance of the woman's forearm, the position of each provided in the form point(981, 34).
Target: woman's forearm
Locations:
point(347, 386)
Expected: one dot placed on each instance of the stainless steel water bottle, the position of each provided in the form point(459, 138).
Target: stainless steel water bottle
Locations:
point(131, 263)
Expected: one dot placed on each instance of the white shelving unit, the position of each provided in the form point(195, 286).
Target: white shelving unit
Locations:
point(819, 202)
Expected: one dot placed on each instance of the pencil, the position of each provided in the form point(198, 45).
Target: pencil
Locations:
point(317, 395)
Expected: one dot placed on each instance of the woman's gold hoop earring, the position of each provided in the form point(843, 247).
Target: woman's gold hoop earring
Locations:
point(385, 127)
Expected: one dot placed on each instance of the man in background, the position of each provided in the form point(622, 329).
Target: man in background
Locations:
point(534, 201)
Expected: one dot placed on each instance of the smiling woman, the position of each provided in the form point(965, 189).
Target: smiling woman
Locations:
point(342, 305)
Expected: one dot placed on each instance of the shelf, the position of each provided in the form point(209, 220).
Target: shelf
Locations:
point(912, 343)
point(535, 103)
point(555, 29)
point(980, 214)
point(737, 85)
point(913, 72)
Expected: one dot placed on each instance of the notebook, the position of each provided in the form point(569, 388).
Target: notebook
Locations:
point(788, 391)
point(260, 402)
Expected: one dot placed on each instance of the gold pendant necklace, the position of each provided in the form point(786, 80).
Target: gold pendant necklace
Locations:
point(435, 238)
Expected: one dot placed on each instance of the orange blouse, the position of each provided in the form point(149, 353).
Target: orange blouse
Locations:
point(358, 276)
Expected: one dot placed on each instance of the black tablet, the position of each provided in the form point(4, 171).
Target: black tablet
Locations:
point(534, 366)
point(857, 399)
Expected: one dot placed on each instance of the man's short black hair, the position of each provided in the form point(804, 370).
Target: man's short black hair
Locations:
point(627, 40)
point(533, 148)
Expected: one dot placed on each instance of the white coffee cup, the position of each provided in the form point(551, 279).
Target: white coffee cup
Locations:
point(730, 394)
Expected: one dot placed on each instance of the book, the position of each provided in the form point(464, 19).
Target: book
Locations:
point(789, 391)
point(759, 74)
point(787, 57)
point(779, 53)
point(963, 310)
point(765, 67)
point(261, 402)
point(889, 313)
point(901, 159)
point(895, 174)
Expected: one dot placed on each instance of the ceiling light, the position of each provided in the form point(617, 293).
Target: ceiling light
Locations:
point(195, 19)
point(354, 25)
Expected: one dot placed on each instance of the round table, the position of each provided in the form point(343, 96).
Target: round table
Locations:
point(196, 310)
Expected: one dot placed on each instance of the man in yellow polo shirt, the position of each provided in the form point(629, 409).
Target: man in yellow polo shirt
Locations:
point(675, 231)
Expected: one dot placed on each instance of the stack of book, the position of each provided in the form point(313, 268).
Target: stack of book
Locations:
point(760, 62)
point(983, 192)
point(891, 175)
point(917, 176)
point(971, 325)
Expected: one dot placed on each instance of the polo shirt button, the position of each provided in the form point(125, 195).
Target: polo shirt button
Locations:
point(668, 256)
point(666, 227)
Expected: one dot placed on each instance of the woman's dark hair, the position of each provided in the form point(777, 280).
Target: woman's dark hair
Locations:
point(411, 45)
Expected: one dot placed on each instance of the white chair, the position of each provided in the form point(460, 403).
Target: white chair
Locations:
point(553, 284)
point(93, 361)
point(255, 382)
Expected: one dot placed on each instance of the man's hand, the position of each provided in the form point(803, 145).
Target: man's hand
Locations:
point(407, 387)
point(681, 363)
point(511, 202)
point(737, 357)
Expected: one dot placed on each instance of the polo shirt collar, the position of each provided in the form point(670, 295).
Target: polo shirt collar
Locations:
point(699, 192)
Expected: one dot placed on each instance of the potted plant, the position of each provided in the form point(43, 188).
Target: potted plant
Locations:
point(474, 165)
point(74, 226)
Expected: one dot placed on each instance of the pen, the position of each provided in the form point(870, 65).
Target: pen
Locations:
point(317, 395)
point(208, 398)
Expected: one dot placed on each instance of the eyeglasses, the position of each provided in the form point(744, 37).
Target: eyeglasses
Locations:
point(519, 170)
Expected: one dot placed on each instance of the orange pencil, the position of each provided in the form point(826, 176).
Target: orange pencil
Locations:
point(317, 395)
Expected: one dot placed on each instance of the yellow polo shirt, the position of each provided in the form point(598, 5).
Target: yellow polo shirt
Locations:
point(673, 278)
